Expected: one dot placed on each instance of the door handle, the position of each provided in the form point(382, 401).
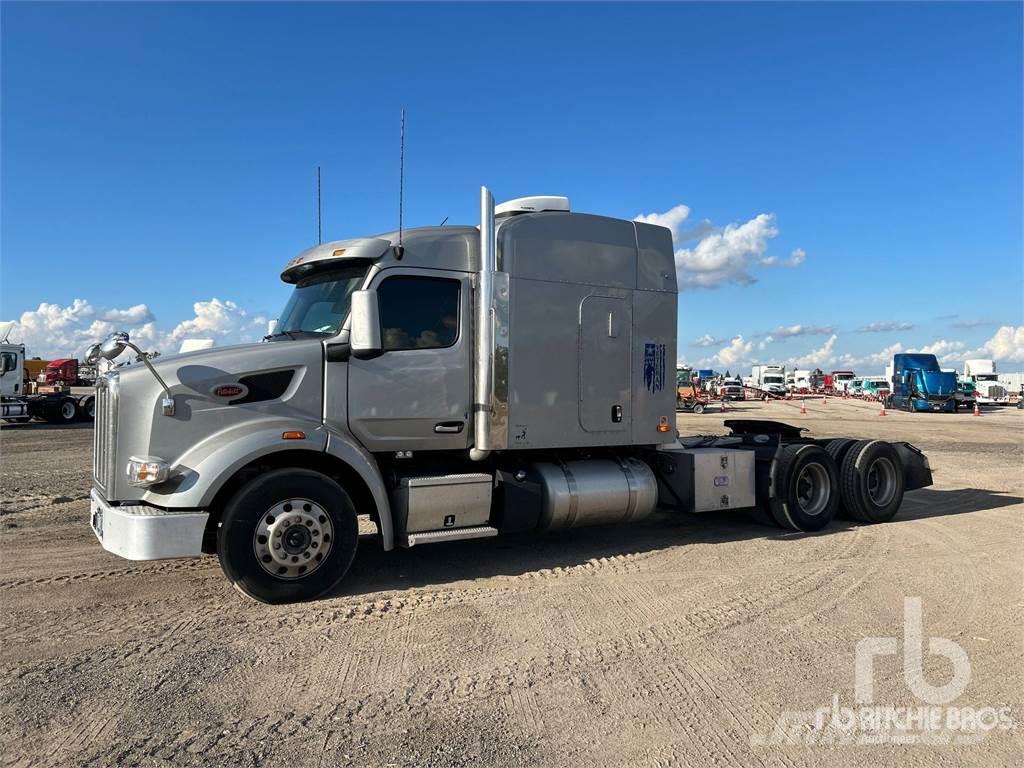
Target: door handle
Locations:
point(453, 427)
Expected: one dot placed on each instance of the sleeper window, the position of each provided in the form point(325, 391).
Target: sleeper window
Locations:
point(418, 312)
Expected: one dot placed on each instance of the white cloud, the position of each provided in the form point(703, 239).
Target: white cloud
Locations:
point(671, 219)
point(133, 315)
point(876, 360)
point(707, 340)
point(796, 258)
point(969, 323)
point(787, 331)
point(726, 256)
point(945, 351)
point(54, 331)
point(721, 256)
point(886, 326)
point(821, 357)
point(1007, 344)
point(738, 351)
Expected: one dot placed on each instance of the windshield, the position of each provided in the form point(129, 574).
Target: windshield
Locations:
point(772, 379)
point(987, 377)
point(319, 304)
point(844, 376)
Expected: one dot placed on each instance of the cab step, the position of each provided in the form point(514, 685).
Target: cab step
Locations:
point(448, 534)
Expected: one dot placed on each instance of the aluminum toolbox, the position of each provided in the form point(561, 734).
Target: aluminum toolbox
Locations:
point(706, 479)
point(435, 502)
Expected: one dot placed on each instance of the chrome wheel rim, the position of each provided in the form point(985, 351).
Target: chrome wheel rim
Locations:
point(293, 538)
point(813, 488)
point(881, 482)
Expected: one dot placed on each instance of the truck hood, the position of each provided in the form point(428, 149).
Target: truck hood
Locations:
point(939, 382)
point(215, 391)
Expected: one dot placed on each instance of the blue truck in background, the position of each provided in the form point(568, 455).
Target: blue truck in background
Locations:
point(918, 384)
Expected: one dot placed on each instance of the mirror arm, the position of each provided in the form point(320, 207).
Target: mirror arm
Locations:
point(168, 403)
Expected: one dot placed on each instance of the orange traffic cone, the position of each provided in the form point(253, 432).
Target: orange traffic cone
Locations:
point(803, 407)
point(824, 400)
point(882, 412)
point(976, 411)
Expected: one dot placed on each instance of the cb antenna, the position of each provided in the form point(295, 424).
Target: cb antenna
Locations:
point(319, 238)
point(401, 184)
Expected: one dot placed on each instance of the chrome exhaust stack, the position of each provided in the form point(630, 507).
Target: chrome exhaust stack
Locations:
point(483, 358)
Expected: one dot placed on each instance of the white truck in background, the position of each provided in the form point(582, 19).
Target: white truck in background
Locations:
point(799, 381)
point(988, 389)
point(769, 378)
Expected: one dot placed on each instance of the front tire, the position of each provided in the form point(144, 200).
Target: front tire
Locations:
point(288, 535)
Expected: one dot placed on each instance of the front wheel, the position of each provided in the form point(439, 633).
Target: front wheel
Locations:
point(288, 535)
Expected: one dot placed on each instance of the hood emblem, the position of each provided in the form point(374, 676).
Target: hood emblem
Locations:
point(229, 390)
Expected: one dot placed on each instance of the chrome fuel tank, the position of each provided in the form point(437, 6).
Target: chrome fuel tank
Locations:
point(595, 492)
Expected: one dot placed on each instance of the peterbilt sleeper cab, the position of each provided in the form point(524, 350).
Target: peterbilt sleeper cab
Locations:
point(447, 383)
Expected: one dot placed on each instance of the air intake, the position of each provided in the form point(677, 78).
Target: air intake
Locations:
point(531, 205)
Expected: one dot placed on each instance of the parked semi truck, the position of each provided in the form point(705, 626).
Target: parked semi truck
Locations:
point(987, 387)
point(449, 383)
point(63, 371)
point(918, 384)
point(16, 405)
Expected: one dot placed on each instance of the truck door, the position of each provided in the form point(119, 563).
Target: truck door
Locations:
point(605, 333)
point(416, 394)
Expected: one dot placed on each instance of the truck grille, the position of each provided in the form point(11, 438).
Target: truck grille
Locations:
point(104, 444)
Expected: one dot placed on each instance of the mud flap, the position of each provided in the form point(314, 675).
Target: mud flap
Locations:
point(917, 472)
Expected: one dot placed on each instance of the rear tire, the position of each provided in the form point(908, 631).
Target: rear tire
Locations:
point(872, 481)
point(698, 408)
point(806, 488)
point(837, 449)
point(63, 412)
point(288, 535)
point(88, 409)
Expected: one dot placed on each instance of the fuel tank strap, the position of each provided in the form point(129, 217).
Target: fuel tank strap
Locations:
point(574, 495)
point(631, 484)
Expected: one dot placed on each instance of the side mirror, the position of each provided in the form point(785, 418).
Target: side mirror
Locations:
point(92, 354)
point(113, 345)
point(365, 338)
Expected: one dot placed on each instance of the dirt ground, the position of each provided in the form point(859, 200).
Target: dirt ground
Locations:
point(682, 641)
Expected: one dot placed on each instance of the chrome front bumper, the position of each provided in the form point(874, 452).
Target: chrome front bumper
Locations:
point(142, 532)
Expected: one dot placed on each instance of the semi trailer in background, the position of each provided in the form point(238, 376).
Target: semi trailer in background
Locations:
point(450, 383)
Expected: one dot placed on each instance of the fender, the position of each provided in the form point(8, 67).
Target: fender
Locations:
point(357, 457)
point(200, 472)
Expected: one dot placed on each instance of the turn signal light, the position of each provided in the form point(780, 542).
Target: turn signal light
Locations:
point(293, 435)
point(664, 428)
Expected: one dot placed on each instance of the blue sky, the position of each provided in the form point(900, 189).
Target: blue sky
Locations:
point(164, 154)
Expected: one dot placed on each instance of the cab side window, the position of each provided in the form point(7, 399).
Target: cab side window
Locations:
point(418, 312)
point(9, 362)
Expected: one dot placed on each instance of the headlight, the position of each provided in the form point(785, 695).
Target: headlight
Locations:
point(146, 470)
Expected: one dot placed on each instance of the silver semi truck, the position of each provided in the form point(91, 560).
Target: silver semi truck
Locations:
point(449, 383)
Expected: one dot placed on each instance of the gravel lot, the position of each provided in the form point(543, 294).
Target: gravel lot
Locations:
point(678, 642)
